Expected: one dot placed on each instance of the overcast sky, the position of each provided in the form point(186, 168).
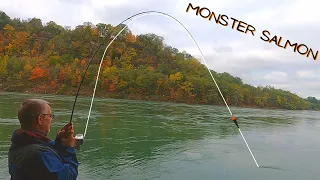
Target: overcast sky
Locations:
point(225, 49)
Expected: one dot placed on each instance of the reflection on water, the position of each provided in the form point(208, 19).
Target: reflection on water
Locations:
point(150, 140)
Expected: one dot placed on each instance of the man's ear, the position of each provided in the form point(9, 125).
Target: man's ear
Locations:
point(39, 119)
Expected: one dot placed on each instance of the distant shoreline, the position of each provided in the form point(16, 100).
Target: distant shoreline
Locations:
point(85, 92)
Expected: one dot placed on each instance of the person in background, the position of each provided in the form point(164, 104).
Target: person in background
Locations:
point(32, 155)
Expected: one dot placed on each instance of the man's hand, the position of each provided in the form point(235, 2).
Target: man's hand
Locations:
point(66, 135)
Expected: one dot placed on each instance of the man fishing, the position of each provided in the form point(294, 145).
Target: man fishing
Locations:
point(33, 155)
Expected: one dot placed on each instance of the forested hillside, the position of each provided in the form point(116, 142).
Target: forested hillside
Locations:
point(49, 58)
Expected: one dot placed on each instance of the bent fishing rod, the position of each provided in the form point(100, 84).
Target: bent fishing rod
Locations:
point(234, 119)
point(79, 137)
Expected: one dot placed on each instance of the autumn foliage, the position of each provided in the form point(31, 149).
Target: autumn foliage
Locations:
point(36, 73)
point(49, 55)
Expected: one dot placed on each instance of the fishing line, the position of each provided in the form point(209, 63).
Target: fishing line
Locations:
point(94, 54)
point(169, 16)
point(95, 87)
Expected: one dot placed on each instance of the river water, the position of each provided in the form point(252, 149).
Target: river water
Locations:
point(154, 140)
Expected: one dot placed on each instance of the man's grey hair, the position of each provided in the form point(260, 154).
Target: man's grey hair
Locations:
point(29, 111)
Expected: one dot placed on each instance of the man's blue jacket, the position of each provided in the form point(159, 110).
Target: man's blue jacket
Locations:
point(34, 156)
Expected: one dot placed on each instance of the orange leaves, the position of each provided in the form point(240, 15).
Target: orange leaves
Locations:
point(36, 73)
point(61, 75)
point(107, 62)
point(21, 40)
point(172, 93)
point(95, 32)
point(131, 38)
point(116, 79)
point(36, 49)
point(83, 63)
point(17, 41)
point(52, 84)
point(46, 74)
point(105, 81)
point(27, 67)
point(112, 87)
point(76, 78)
point(76, 44)
point(67, 75)
point(9, 31)
point(68, 70)
point(110, 76)
point(2, 41)
point(120, 50)
point(3, 64)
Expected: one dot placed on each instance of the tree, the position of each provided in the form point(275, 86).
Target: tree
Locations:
point(20, 42)
point(3, 68)
point(4, 19)
point(131, 38)
point(36, 73)
point(141, 65)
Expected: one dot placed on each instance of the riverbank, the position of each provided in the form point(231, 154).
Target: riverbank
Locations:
point(62, 89)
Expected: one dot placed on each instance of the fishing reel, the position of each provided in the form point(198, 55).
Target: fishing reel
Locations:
point(79, 141)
